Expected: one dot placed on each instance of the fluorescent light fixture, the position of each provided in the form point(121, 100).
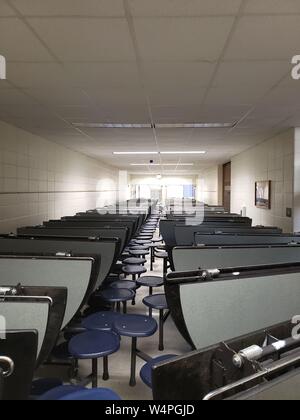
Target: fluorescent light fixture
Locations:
point(161, 164)
point(145, 164)
point(197, 125)
point(134, 153)
point(160, 126)
point(183, 152)
point(110, 125)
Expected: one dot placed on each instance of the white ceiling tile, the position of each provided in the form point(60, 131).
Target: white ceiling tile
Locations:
point(272, 6)
point(37, 75)
point(175, 114)
point(60, 96)
point(14, 97)
point(78, 113)
point(179, 74)
point(86, 39)
point(283, 96)
point(122, 136)
point(176, 95)
point(263, 73)
point(265, 38)
point(102, 74)
point(244, 95)
point(42, 123)
point(180, 39)
point(127, 113)
point(183, 7)
point(4, 84)
point(24, 111)
point(123, 95)
point(18, 43)
point(5, 10)
point(106, 8)
point(261, 123)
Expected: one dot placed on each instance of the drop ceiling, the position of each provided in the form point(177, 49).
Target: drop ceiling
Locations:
point(147, 62)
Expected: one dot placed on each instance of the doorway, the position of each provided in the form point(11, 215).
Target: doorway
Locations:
point(227, 186)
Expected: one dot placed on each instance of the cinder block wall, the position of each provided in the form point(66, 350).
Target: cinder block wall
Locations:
point(40, 180)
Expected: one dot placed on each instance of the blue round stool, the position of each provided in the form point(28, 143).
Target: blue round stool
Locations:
point(139, 252)
point(146, 371)
point(94, 345)
point(139, 247)
point(142, 242)
point(159, 302)
point(126, 284)
point(135, 326)
point(101, 321)
point(39, 387)
point(60, 392)
point(117, 296)
point(134, 261)
point(151, 282)
point(99, 394)
point(145, 237)
point(77, 393)
point(134, 271)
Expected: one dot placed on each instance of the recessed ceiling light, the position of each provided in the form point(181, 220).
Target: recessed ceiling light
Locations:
point(111, 125)
point(145, 164)
point(150, 126)
point(197, 125)
point(194, 152)
point(135, 153)
point(161, 164)
point(197, 152)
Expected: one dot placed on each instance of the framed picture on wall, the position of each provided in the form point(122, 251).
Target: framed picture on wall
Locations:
point(263, 195)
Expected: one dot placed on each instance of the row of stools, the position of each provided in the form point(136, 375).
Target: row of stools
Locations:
point(103, 331)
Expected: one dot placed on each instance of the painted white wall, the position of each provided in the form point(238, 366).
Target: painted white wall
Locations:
point(297, 182)
point(208, 186)
point(169, 186)
point(272, 160)
point(40, 180)
point(165, 180)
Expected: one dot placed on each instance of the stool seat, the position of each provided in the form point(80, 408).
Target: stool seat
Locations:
point(139, 252)
point(134, 269)
point(98, 394)
point(124, 284)
point(94, 345)
point(135, 326)
point(77, 393)
point(134, 261)
point(114, 295)
point(60, 392)
point(145, 237)
point(161, 254)
point(146, 371)
point(139, 248)
point(156, 302)
point(151, 281)
point(40, 386)
point(142, 242)
point(101, 321)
